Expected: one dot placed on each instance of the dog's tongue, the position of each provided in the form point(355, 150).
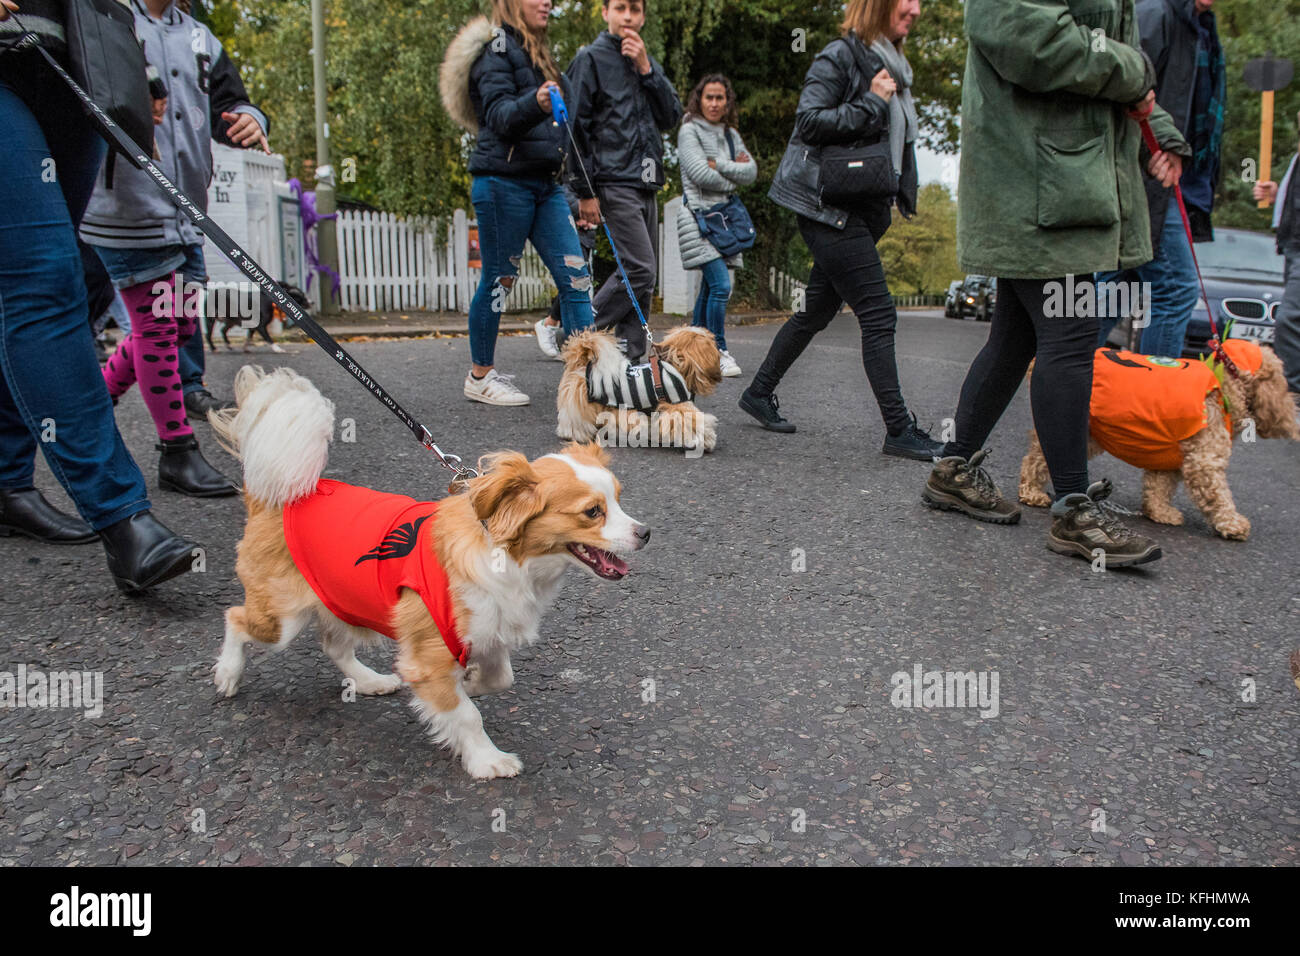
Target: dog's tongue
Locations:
point(611, 563)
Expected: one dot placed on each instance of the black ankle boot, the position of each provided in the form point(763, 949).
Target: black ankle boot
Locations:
point(912, 442)
point(183, 468)
point(25, 511)
point(765, 408)
point(143, 552)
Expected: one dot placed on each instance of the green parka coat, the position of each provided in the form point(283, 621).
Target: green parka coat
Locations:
point(1050, 181)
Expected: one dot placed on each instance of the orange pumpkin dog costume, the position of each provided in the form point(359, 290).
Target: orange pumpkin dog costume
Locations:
point(1144, 405)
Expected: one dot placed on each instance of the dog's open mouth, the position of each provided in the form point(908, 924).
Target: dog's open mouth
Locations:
point(604, 564)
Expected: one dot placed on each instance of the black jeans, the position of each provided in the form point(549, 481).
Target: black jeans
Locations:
point(1062, 348)
point(846, 268)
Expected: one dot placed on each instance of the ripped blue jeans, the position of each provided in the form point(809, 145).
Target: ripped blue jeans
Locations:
point(512, 210)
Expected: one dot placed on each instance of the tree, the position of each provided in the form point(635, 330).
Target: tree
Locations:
point(920, 254)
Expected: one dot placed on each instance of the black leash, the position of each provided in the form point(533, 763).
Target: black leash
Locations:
point(246, 264)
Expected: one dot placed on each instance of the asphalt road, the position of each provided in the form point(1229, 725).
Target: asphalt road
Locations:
point(771, 736)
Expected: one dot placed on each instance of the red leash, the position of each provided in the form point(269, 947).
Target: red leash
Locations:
point(1216, 346)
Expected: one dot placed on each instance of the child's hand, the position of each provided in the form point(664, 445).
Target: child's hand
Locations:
point(245, 131)
point(634, 50)
point(159, 107)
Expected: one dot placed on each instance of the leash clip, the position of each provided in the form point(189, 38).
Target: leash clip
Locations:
point(1221, 354)
point(455, 463)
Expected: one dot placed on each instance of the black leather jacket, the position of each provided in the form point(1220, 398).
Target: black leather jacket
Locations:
point(516, 136)
point(618, 116)
point(836, 107)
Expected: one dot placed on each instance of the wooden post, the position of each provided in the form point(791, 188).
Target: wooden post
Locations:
point(1265, 139)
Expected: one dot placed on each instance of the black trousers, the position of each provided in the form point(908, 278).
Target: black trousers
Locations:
point(1027, 326)
point(846, 268)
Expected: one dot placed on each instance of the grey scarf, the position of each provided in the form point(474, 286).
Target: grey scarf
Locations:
point(902, 109)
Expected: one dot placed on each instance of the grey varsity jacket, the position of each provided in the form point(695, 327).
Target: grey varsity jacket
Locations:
point(126, 209)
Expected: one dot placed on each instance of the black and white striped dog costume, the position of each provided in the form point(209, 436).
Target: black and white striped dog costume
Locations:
point(636, 388)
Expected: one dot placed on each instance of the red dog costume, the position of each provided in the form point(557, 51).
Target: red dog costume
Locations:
point(1144, 405)
point(358, 548)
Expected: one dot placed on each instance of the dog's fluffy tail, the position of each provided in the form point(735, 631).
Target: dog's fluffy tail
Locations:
point(281, 430)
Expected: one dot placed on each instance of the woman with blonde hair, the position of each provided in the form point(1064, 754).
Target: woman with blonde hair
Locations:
point(496, 81)
point(855, 95)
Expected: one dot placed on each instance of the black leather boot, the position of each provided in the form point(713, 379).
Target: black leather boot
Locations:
point(143, 552)
point(198, 404)
point(25, 511)
point(183, 468)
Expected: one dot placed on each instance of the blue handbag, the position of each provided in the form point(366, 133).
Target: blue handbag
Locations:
point(727, 225)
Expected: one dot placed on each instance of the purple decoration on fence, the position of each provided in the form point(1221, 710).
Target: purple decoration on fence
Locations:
point(310, 217)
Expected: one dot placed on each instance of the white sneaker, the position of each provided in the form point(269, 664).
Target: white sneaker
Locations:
point(546, 338)
point(494, 389)
point(729, 367)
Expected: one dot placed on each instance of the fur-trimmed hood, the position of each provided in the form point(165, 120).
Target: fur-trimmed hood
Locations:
point(453, 75)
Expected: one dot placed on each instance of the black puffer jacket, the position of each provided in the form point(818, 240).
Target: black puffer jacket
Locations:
point(836, 107)
point(515, 134)
point(618, 115)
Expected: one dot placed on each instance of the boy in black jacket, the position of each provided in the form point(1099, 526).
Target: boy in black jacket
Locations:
point(622, 102)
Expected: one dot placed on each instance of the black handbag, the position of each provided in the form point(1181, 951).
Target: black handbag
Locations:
point(727, 225)
point(856, 173)
point(106, 60)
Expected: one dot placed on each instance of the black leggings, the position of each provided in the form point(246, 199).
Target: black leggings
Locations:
point(1062, 347)
point(846, 268)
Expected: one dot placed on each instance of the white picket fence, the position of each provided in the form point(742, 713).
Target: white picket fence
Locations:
point(390, 264)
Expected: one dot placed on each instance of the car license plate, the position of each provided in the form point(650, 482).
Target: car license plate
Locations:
point(1256, 333)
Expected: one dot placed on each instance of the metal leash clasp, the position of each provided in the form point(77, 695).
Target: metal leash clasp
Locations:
point(464, 473)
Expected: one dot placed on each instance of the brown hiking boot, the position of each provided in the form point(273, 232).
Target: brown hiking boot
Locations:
point(956, 484)
point(1082, 527)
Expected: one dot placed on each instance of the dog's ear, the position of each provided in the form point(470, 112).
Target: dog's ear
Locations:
point(1271, 404)
point(694, 353)
point(592, 453)
point(506, 496)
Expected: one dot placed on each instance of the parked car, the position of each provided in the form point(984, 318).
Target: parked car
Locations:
point(1243, 279)
point(950, 300)
point(973, 296)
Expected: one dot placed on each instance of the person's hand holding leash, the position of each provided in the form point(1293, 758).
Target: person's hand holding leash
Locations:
point(883, 85)
point(544, 94)
point(589, 211)
point(1166, 167)
point(634, 50)
point(245, 131)
point(7, 7)
point(1142, 108)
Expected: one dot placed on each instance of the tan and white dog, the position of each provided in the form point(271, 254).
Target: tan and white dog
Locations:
point(691, 352)
point(499, 549)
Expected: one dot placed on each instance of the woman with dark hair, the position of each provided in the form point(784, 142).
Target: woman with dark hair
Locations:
point(857, 91)
point(496, 81)
point(714, 164)
point(51, 387)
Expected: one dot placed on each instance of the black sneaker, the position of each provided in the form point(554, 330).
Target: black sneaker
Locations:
point(1081, 527)
point(912, 442)
point(956, 484)
point(765, 408)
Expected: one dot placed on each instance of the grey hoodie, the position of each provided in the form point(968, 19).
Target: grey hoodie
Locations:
point(127, 210)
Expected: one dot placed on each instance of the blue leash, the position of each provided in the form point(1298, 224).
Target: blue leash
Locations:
point(560, 116)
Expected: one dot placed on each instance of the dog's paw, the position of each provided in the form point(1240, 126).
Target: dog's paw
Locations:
point(487, 764)
point(1035, 499)
point(1165, 515)
point(1236, 528)
point(380, 684)
point(226, 674)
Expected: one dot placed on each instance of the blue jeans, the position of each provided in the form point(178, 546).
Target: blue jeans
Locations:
point(511, 211)
point(711, 303)
point(1174, 290)
point(52, 388)
point(128, 267)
